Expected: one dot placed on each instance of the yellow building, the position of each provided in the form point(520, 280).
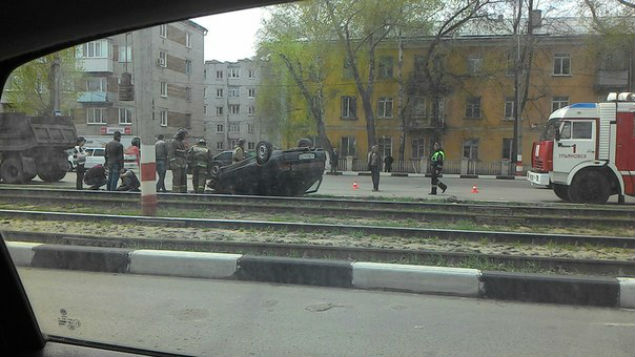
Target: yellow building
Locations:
point(477, 113)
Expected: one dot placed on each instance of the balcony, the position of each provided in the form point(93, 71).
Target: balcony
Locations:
point(424, 124)
point(95, 97)
point(95, 64)
point(612, 79)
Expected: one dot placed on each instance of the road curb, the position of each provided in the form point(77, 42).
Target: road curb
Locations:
point(559, 289)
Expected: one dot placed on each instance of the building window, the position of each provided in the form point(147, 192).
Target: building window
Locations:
point(251, 145)
point(234, 108)
point(97, 84)
point(507, 148)
point(252, 110)
point(419, 108)
point(188, 67)
point(125, 54)
point(234, 127)
point(474, 65)
point(233, 143)
point(220, 145)
point(418, 148)
point(347, 70)
point(384, 107)
point(419, 66)
point(470, 149)
point(252, 92)
point(95, 49)
point(163, 31)
point(219, 92)
point(204, 109)
point(233, 73)
point(95, 116)
point(220, 128)
point(349, 107)
point(164, 89)
point(347, 146)
point(250, 128)
point(164, 118)
point(473, 108)
point(219, 75)
point(385, 146)
point(561, 64)
point(219, 111)
point(163, 59)
point(188, 94)
point(509, 108)
point(384, 68)
point(234, 91)
point(188, 39)
point(252, 74)
point(125, 116)
point(559, 102)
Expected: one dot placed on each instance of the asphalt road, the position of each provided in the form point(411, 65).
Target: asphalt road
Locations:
point(489, 189)
point(215, 317)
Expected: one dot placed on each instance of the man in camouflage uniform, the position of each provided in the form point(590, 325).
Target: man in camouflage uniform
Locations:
point(177, 152)
point(198, 158)
point(239, 151)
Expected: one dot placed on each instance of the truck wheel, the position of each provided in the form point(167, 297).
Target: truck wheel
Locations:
point(11, 170)
point(562, 191)
point(589, 187)
point(52, 166)
point(263, 152)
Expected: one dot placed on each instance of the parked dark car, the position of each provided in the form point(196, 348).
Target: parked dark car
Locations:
point(291, 172)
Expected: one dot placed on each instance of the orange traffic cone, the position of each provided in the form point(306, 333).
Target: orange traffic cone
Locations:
point(474, 189)
point(355, 185)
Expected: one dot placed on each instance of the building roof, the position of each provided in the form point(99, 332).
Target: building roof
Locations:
point(197, 26)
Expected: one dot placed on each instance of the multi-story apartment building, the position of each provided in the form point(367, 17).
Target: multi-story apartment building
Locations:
point(166, 64)
point(230, 103)
point(475, 121)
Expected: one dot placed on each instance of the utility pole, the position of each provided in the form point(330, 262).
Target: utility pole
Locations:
point(54, 86)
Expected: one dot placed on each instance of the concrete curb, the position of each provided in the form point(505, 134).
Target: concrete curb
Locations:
point(559, 289)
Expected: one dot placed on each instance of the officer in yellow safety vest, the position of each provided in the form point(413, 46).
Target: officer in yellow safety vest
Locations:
point(198, 158)
point(436, 166)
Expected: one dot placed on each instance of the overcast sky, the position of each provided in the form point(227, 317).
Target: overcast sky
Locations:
point(231, 36)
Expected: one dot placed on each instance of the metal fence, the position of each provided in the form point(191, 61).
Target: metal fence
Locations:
point(469, 167)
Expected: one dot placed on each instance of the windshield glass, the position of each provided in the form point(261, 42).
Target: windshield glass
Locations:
point(350, 177)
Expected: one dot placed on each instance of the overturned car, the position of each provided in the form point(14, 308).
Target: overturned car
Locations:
point(270, 172)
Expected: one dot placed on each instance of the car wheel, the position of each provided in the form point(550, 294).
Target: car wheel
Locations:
point(562, 191)
point(589, 187)
point(263, 152)
point(11, 170)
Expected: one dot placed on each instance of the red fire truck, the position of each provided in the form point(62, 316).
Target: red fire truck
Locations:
point(587, 152)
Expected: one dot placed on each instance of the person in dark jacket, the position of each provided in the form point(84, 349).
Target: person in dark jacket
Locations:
point(95, 177)
point(436, 166)
point(129, 181)
point(388, 163)
point(334, 160)
point(161, 152)
point(114, 161)
point(79, 155)
point(177, 151)
point(374, 165)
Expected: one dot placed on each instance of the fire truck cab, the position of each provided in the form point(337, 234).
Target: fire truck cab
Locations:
point(587, 152)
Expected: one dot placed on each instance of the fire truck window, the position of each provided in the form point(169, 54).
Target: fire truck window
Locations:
point(565, 130)
point(582, 130)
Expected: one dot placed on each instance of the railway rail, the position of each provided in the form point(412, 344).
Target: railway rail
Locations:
point(449, 234)
point(558, 264)
point(561, 215)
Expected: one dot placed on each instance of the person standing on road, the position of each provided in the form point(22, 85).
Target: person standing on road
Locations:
point(374, 165)
point(161, 152)
point(334, 161)
point(197, 158)
point(114, 161)
point(436, 166)
point(239, 151)
point(79, 156)
point(177, 152)
point(388, 163)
